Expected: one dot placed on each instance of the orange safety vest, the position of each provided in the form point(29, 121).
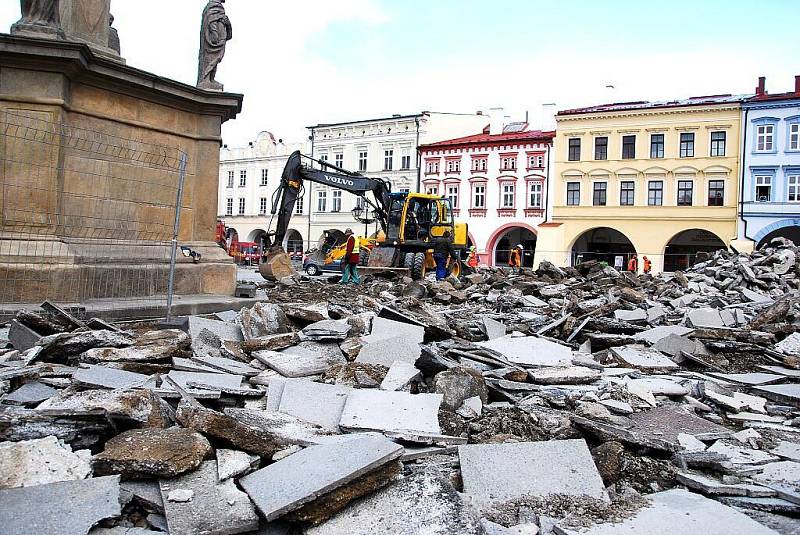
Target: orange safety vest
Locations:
point(648, 265)
point(513, 259)
point(472, 261)
point(633, 265)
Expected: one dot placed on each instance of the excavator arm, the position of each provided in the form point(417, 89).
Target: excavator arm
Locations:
point(295, 173)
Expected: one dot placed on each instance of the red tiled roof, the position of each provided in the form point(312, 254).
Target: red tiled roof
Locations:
point(777, 96)
point(484, 139)
point(643, 104)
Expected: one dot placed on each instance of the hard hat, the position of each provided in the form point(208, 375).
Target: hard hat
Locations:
point(348, 231)
point(520, 246)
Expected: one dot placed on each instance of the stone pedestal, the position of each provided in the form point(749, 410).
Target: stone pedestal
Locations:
point(73, 85)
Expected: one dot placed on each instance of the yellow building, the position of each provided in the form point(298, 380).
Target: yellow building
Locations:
point(655, 179)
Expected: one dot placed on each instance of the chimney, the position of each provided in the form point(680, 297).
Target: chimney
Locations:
point(495, 121)
point(761, 89)
point(797, 84)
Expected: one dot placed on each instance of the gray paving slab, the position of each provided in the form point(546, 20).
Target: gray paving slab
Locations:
point(383, 329)
point(224, 330)
point(789, 345)
point(221, 380)
point(752, 379)
point(40, 461)
point(275, 387)
point(21, 336)
point(30, 394)
point(146, 491)
point(704, 317)
point(400, 374)
point(423, 503)
point(636, 314)
point(216, 508)
point(780, 370)
point(327, 330)
point(787, 450)
point(318, 403)
point(643, 357)
point(782, 477)
point(226, 365)
point(495, 473)
point(789, 393)
point(188, 365)
point(379, 410)
point(651, 336)
point(290, 483)
point(386, 351)
point(100, 376)
point(493, 328)
point(530, 351)
point(299, 362)
point(679, 512)
point(228, 316)
point(63, 508)
point(756, 297)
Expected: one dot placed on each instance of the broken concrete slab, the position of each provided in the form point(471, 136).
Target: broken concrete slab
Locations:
point(424, 502)
point(52, 508)
point(704, 318)
point(789, 393)
point(152, 453)
point(223, 330)
point(661, 387)
point(752, 379)
point(318, 403)
point(494, 473)
point(216, 507)
point(309, 474)
point(530, 350)
point(772, 505)
point(637, 314)
point(286, 429)
point(744, 416)
point(29, 394)
point(756, 297)
point(651, 336)
point(41, 461)
point(386, 351)
point(787, 450)
point(782, 477)
point(142, 406)
point(619, 407)
point(378, 410)
point(643, 358)
point(492, 328)
point(458, 384)
point(273, 342)
point(226, 365)
point(737, 454)
point(383, 329)
point(327, 330)
point(99, 376)
point(399, 376)
point(674, 346)
point(678, 512)
point(232, 463)
point(21, 336)
point(780, 370)
point(147, 492)
point(297, 362)
point(219, 380)
point(263, 319)
point(789, 345)
point(570, 375)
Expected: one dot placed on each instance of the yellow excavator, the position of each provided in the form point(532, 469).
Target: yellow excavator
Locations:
point(409, 221)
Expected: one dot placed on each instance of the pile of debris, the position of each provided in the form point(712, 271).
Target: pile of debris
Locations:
point(566, 401)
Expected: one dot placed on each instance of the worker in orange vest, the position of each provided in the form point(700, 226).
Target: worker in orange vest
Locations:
point(648, 265)
point(472, 258)
point(633, 264)
point(515, 258)
point(350, 260)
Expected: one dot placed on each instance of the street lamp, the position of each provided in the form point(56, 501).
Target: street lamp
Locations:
point(364, 215)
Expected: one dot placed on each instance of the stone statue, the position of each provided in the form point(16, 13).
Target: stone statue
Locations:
point(39, 17)
point(215, 32)
point(113, 36)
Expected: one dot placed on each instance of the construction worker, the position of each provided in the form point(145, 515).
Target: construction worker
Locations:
point(472, 258)
point(633, 264)
point(442, 250)
point(515, 258)
point(350, 260)
point(648, 265)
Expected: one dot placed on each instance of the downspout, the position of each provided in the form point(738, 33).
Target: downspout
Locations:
point(741, 183)
point(419, 176)
point(547, 182)
point(310, 196)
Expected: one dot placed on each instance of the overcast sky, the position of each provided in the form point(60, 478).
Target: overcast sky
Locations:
point(303, 62)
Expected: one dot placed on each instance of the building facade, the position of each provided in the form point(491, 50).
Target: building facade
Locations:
point(655, 179)
point(497, 181)
point(385, 148)
point(248, 179)
point(770, 174)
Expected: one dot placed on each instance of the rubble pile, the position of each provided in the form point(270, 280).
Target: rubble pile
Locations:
point(567, 401)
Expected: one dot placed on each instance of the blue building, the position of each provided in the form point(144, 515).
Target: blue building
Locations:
point(770, 167)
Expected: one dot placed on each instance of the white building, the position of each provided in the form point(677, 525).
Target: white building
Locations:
point(248, 178)
point(385, 148)
point(497, 181)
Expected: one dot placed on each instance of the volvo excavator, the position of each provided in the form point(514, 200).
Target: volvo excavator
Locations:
point(409, 221)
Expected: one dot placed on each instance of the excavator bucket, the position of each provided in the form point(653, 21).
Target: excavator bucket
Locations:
point(276, 264)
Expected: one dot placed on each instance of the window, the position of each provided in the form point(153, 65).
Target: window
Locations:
point(685, 190)
point(626, 193)
point(262, 206)
point(655, 193)
point(479, 196)
point(432, 190)
point(716, 192)
point(601, 148)
point(336, 201)
point(298, 207)
point(687, 145)
point(765, 137)
point(628, 147)
point(794, 136)
point(718, 143)
point(453, 166)
point(794, 188)
point(573, 193)
point(405, 160)
point(535, 195)
point(388, 158)
point(264, 175)
point(229, 206)
point(231, 176)
point(322, 201)
point(508, 195)
point(600, 190)
point(452, 195)
point(338, 159)
point(479, 164)
point(362, 160)
point(242, 178)
point(404, 190)
point(763, 188)
point(508, 163)
point(574, 153)
point(657, 145)
point(535, 161)
point(241, 206)
point(323, 158)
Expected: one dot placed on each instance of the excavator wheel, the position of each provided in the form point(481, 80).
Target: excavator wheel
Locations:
point(456, 269)
point(418, 266)
point(408, 260)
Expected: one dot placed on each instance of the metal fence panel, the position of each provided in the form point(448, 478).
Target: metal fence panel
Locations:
point(86, 214)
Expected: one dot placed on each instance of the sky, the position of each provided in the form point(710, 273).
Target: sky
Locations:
point(305, 62)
